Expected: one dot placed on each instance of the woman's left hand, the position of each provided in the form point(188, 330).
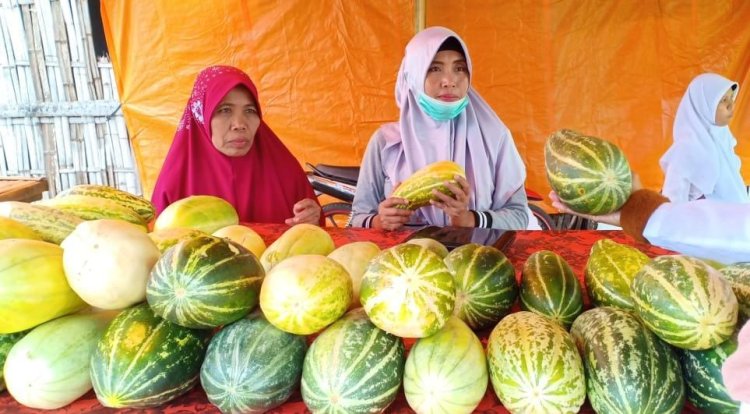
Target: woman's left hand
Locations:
point(456, 207)
point(305, 211)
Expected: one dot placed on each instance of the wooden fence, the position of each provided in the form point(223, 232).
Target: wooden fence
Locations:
point(60, 115)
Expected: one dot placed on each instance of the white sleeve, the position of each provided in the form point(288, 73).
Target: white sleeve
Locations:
point(676, 188)
point(706, 229)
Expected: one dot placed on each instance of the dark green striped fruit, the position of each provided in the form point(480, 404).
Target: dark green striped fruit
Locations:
point(144, 361)
point(353, 367)
point(628, 368)
point(204, 282)
point(550, 288)
point(590, 175)
point(485, 284)
point(252, 366)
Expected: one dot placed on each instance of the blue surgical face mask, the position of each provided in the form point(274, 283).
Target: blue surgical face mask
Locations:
point(441, 110)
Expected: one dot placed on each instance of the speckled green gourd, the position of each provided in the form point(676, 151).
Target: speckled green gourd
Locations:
point(610, 271)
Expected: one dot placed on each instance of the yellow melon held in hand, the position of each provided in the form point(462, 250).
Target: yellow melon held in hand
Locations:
point(417, 189)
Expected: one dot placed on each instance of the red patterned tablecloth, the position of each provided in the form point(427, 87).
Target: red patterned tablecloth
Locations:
point(573, 246)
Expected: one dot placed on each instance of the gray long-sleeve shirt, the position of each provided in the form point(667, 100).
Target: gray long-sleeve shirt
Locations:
point(371, 192)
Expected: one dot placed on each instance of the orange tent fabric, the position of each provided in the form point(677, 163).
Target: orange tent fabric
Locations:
point(613, 69)
point(325, 74)
point(326, 70)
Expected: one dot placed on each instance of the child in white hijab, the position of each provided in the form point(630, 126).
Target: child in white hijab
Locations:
point(701, 161)
point(436, 123)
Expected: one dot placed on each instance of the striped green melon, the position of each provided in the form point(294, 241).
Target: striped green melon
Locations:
point(485, 284)
point(534, 365)
point(738, 276)
point(140, 205)
point(52, 225)
point(204, 282)
point(304, 294)
point(610, 271)
point(408, 291)
point(251, 366)
point(166, 238)
point(49, 367)
point(297, 240)
point(629, 370)
point(417, 189)
point(432, 244)
point(6, 343)
point(550, 288)
point(590, 175)
point(33, 286)
point(352, 367)
point(12, 229)
point(446, 372)
point(144, 361)
point(703, 378)
point(200, 212)
point(685, 302)
point(93, 208)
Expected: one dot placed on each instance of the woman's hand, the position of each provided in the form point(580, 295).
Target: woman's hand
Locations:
point(389, 216)
point(611, 218)
point(305, 211)
point(456, 207)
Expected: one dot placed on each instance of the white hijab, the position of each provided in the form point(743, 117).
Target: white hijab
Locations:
point(476, 139)
point(702, 152)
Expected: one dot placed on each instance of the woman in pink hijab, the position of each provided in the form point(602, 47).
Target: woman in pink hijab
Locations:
point(223, 148)
point(442, 118)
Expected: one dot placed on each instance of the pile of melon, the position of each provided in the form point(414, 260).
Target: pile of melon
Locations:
point(142, 317)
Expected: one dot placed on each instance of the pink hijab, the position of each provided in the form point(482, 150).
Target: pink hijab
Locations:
point(263, 185)
point(736, 369)
point(476, 139)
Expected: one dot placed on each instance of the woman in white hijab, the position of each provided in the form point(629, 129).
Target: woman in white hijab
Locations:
point(701, 161)
point(442, 118)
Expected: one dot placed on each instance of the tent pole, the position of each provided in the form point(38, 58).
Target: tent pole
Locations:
point(420, 11)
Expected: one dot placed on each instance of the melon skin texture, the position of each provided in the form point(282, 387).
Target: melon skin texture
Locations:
point(589, 174)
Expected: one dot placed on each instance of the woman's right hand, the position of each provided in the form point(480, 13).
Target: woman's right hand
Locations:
point(389, 216)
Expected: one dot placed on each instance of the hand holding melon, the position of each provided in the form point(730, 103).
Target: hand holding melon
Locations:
point(588, 174)
point(417, 189)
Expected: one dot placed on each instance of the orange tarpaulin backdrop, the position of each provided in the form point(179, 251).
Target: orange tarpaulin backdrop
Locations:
point(325, 70)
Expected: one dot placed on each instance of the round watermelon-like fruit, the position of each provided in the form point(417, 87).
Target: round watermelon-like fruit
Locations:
point(589, 174)
point(251, 366)
point(485, 284)
point(352, 367)
point(685, 302)
point(144, 361)
point(408, 291)
point(628, 368)
point(204, 282)
point(610, 271)
point(304, 294)
point(534, 365)
point(202, 212)
point(738, 276)
point(446, 372)
point(550, 288)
